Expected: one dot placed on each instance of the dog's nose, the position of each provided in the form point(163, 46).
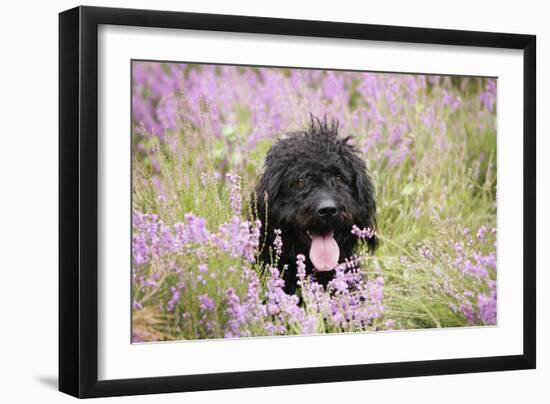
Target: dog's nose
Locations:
point(327, 207)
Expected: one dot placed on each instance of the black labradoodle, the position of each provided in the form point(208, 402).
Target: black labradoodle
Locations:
point(314, 188)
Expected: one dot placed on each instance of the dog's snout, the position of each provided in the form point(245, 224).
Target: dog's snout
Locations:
point(327, 207)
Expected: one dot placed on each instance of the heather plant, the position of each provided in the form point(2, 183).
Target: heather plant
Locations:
point(199, 137)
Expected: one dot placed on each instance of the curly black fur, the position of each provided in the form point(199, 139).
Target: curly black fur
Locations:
point(301, 171)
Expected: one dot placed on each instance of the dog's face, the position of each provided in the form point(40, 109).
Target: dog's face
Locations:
point(317, 203)
point(315, 187)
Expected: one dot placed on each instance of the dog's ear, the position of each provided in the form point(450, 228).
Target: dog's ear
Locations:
point(367, 204)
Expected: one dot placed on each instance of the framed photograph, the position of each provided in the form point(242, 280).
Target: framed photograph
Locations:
point(250, 201)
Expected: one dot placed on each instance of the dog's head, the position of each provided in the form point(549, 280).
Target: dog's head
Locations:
point(315, 187)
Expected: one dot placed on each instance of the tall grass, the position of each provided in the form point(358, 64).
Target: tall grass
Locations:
point(200, 134)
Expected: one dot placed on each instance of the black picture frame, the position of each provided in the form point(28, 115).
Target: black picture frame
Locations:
point(78, 200)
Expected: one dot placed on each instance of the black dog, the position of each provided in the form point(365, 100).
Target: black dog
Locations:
point(314, 188)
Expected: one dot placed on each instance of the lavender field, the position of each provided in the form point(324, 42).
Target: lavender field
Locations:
point(199, 137)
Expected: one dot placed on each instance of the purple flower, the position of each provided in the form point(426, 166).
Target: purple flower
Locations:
point(481, 233)
point(140, 249)
point(236, 314)
point(238, 238)
point(194, 230)
point(333, 87)
point(235, 192)
point(174, 299)
point(487, 309)
point(365, 233)
point(474, 268)
point(300, 268)
point(468, 312)
point(285, 309)
point(426, 252)
point(206, 304)
point(488, 97)
point(487, 305)
point(451, 101)
point(278, 243)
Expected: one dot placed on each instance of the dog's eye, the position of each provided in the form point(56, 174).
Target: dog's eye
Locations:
point(300, 182)
point(338, 178)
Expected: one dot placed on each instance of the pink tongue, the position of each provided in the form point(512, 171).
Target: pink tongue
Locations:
point(324, 252)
